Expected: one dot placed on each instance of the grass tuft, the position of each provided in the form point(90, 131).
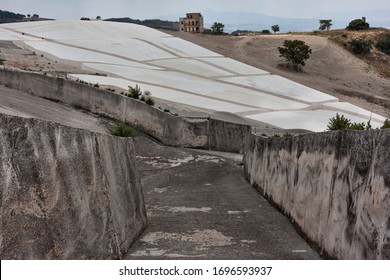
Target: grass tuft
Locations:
point(122, 129)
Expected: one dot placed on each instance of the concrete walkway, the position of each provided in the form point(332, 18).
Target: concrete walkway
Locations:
point(200, 206)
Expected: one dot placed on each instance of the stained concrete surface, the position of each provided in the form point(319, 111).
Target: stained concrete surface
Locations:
point(335, 185)
point(17, 103)
point(200, 206)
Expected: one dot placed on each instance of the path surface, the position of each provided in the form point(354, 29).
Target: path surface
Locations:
point(200, 206)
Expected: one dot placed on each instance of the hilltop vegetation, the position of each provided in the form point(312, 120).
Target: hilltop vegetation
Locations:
point(6, 16)
point(9, 17)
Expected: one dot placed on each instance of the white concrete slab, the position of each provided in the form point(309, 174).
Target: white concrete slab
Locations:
point(353, 110)
point(182, 48)
point(200, 86)
point(130, 48)
point(81, 55)
point(179, 71)
point(192, 66)
point(166, 94)
point(283, 87)
point(6, 35)
point(316, 120)
point(234, 66)
point(85, 30)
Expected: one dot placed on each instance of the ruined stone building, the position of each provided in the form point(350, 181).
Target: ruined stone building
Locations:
point(193, 22)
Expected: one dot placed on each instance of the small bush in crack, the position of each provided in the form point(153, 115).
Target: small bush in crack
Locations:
point(135, 92)
point(122, 129)
point(150, 101)
point(386, 124)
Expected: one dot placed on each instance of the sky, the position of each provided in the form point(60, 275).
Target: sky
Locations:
point(147, 9)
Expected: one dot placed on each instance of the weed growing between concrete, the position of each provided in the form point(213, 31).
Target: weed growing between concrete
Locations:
point(122, 129)
point(136, 93)
point(150, 101)
point(386, 124)
point(342, 123)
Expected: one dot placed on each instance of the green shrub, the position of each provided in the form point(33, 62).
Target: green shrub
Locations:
point(383, 44)
point(358, 126)
point(358, 24)
point(295, 51)
point(217, 28)
point(122, 129)
point(342, 123)
point(135, 92)
point(265, 31)
point(2, 61)
point(339, 123)
point(275, 28)
point(386, 124)
point(360, 46)
point(150, 101)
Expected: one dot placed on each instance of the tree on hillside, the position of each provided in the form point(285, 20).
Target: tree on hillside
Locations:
point(295, 52)
point(275, 28)
point(358, 24)
point(217, 28)
point(325, 24)
point(10, 15)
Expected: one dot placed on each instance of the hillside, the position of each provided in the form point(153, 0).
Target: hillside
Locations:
point(331, 69)
point(193, 76)
point(153, 23)
point(6, 16)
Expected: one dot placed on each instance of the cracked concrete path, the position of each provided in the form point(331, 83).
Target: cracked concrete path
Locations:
point(200, 206)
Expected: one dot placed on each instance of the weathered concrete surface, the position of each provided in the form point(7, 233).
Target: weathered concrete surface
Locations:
point(66, 193)
point(334, 185)
point(17, 103)
point(170, 130)
point(200, 206)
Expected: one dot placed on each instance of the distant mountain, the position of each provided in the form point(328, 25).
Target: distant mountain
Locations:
point(257, 22)
point(153, 23)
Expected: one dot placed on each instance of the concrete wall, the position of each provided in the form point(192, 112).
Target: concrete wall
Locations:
point(169, 129)
point(66, 193)
point(334, 185)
